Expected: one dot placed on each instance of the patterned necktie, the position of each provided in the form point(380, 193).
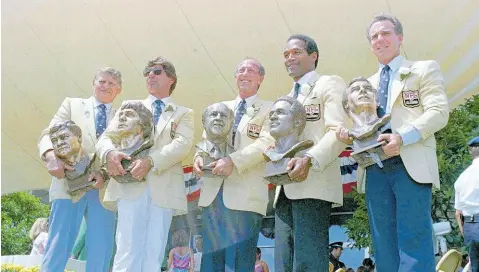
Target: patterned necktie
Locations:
point(100, 120)
point(239, 113)
point(296, 90)
point(158, 109)
point(383, 91)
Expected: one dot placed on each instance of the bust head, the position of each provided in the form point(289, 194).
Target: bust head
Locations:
point(66, 139)
point(217, 121)
point(360, 97)
point(133, 119)
point(287, 117)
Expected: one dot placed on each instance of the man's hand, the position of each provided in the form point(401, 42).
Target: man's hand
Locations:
point(99, 180)
point(56, 167)
point(342, 134)
point(197, 165)
point(299, 168)
point(113, 163)
point(460, 222)
point(139, 168)
point(393, 143)
point(222, 167)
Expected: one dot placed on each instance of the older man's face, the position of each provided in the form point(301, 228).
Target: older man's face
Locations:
point(281, 120)
point(218, 121)
point(129, 122)
point(106, 88)
point(361, 96)
point(248, 78)
point(65, 143)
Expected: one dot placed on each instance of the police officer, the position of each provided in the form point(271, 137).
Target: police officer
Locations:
point(335, 251)
point(467, 204)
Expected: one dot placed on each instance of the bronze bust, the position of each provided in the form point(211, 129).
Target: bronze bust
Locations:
point(132, 134)
point(66, 138)
point(287, 120)
point(360, 102)
point(217, 121)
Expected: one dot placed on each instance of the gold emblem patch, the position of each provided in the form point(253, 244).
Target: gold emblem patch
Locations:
point(313, 112)
point(253, 131)
point(410, 98)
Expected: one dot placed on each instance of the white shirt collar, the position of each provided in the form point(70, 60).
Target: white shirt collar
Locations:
point(249, 100)
point(98, 103)
point(305, 79)
point(151, 99)
point(394, 64)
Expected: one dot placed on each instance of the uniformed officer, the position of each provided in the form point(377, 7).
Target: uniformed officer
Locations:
point(467, 204)
point(335, 251)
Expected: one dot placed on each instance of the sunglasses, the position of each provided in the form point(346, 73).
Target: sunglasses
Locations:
point(156, 71)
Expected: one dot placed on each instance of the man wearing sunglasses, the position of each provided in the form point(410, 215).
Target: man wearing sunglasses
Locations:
point(92, 116)
point(145, 209)
point(235, 202)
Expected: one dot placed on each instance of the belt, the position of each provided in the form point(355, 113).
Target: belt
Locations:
point(471, 219)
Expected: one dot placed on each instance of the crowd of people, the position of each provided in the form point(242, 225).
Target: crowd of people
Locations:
point(398, 191)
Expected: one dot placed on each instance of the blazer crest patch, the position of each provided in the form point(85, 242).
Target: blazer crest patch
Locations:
point(253, 131)
point(313, 112)
point(410, 99)
point(173, 129)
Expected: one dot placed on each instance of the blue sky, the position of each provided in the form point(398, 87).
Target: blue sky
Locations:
point(351, 257)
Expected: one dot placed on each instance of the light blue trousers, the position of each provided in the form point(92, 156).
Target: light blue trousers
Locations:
point(65, 220)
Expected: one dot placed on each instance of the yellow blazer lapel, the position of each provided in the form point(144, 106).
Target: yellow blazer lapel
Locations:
point(89, 113)
point(398, 84)
point(165, 116)
point(246, 118)
point(306, 89)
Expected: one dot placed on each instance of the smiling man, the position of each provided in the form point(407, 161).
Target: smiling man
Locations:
point(233, 206)
point(145, 209)
point(92, 116)
point(303, 208)
point(398, 196)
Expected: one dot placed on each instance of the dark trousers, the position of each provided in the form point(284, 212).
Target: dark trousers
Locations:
point(399, 211)
point(471, 239)
point(301, 234)
point(230, 238)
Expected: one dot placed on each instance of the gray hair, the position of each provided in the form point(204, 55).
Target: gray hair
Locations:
point(386, 17)
point(299, 113)
point(111, 71)
point(207, 110)
point(40, 225)
point(68, 124)
point(310, 45)
point(145, 115)
point(346, 91)
point(260, 66)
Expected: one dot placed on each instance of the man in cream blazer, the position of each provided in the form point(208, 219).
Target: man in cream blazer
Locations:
point(233, 207)
point(303, 208)
point(145, 209)
point(67, 211)
point(399, 195)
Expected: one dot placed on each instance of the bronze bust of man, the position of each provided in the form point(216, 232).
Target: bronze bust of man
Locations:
point(132, 135)
point(66, 138)
point(217, 121)
point(287, 120)
point(360, 102)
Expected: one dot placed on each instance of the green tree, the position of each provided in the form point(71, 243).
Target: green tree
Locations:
point(453, 158)
point(19, 212)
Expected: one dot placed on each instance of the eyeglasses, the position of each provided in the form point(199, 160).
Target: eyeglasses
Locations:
point(156, 71)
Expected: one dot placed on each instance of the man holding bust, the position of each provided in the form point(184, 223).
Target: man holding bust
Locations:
point(398, 196)
point(241, 195)
point(303, 208)
point(91, 115)
point(145, 209)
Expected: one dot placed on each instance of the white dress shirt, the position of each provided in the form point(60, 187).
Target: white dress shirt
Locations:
point(467, 190)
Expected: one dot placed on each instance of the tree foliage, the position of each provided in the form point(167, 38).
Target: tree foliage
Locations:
point(453, 158)
point(19, 212)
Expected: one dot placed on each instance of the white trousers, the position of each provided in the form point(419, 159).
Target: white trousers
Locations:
point(141, 234)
